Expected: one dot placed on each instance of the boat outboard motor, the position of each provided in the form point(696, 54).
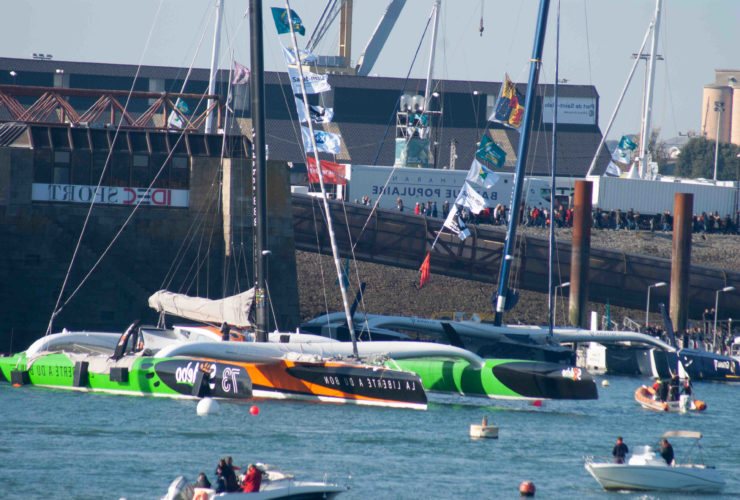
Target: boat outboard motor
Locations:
point(179, 489)
point(131, 332)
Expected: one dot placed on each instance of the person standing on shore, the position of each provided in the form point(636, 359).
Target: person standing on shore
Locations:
point(620, 451)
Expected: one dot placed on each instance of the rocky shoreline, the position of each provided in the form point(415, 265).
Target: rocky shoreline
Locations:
point(395, 291)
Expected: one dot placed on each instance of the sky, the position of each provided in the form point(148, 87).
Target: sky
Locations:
point(597, 40)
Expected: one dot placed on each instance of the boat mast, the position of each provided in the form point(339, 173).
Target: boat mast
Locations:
point(430, 67)
point(259, 185)
point(648, 102)
point(521, 160)
point(210, 128)
point(329, 223)
point(551, 261)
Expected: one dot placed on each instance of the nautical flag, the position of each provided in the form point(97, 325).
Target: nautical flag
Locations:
point(454, 223)
point(281, 21)
point(508, 109)
point(626, 144)
point(318, 114)
point(325, 141)
point(334, 173)
point(306, 56)
point(490, 151)
point(315, 84)
point(470, 199)
point(239, 74)
point(175, 119)
point(612, 170)
point(479, 174)
point(424, 271)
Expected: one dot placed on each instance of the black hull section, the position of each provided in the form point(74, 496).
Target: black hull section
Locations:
point(547, 380)
point(703, 365)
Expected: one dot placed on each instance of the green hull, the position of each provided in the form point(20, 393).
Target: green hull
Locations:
point(167, 377)
point(501, 378)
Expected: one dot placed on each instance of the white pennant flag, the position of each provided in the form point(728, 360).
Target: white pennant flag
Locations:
point(470, 199)
point(315, 84)
point(318, 114)
point(306, 56)
point(325, 141)
point(481, 175)
point(454, 223)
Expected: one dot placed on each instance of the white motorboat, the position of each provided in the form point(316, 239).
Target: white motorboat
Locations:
point(646, 470)
point(276, 484)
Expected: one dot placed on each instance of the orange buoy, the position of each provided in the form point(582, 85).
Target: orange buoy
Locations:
point(254, 410)
point(537, 402)
point(527, 489)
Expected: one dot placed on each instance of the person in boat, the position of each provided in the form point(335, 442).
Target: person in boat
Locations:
point(228, 474)
point(252, 480)
point(687, 388)
point(673, 388)
point(620, 451)
point(202, 481)
point(666, 451)
point(220, 486)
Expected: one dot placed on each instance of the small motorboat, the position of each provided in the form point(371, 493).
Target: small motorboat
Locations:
point(647, 471)
point(648, 398)
point(276, 484)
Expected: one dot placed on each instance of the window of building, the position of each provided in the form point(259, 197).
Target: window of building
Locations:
point(61, 167)
point(81, 163)
point(42, 170)
point(120, 163)
point(179, 172)
point(140, 171)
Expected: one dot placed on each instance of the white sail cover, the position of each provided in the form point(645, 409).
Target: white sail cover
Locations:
point(233, 310)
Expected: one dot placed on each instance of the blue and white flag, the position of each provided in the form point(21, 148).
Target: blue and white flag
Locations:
point(306, 56)
point(325, 141)
point(318, 114)
point(454, 223)
point(315, 84)
point(175, 119)
point(481, 175)
point(470, 199)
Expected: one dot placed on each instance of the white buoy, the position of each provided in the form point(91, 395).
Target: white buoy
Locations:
point(484, 430)
point(206, 406)
point(605, 383)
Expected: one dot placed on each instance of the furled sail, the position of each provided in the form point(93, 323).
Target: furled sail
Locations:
point(232, 310)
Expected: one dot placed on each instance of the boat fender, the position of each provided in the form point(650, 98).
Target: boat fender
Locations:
point(527, 489)
point(81, 377)
point(19, 378)
point(700, 405)
point(207, 406)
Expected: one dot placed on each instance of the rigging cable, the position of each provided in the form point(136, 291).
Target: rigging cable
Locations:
point(57, 308)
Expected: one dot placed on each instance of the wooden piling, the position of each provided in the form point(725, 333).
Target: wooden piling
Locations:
point(580, 254)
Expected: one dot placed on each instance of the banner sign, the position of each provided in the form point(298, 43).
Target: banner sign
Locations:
point(571, 110)
point(111, 195)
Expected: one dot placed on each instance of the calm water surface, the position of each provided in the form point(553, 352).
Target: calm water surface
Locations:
point(59, 444)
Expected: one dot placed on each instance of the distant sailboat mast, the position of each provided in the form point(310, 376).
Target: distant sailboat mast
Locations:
point(648, 103)
point(521, 161)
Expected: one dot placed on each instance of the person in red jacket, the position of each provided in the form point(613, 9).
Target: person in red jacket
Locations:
point(252, 480)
